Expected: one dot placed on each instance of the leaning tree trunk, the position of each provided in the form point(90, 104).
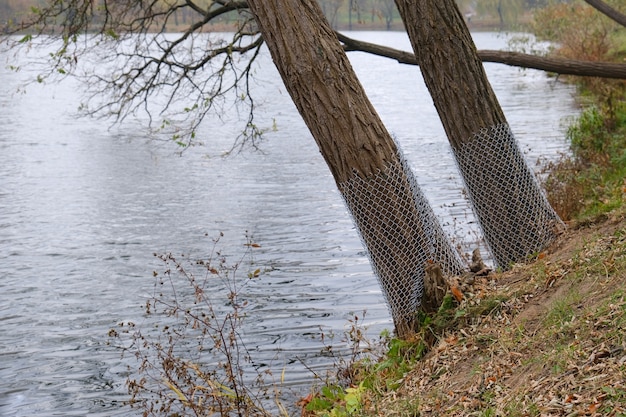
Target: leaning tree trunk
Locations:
point(395, 222)
point(513, 212)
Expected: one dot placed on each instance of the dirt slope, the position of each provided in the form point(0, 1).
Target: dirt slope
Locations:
point(552, 340)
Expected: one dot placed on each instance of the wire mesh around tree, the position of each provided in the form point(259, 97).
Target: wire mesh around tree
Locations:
point(401, 235)
point(513, 212)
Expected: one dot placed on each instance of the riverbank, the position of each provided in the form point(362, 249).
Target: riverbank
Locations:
point(551, 342)
point(546, 338)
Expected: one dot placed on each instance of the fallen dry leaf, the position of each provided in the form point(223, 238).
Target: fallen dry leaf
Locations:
point(456, 292)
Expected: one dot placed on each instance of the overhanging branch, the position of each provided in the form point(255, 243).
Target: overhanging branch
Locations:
point(516, 59)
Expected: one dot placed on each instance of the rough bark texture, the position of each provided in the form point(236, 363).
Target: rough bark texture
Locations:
point(399, 233)
point(515, 216)
point(322, 84)
point(435, 288)
point(452, 71)
point(556, 65)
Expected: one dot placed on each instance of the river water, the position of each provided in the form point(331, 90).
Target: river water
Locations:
point(83, 207)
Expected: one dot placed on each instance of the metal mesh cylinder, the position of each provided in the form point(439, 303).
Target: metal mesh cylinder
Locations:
point(401, 234)
point(513, 212)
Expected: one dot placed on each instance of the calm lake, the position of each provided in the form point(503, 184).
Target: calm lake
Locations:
point(83, 208)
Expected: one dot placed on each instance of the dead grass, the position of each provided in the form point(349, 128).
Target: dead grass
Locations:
point(551, 343)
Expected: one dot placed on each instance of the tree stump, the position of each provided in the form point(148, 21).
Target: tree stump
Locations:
point(435, 288)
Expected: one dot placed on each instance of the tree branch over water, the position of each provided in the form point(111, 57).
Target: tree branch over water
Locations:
point(167, 60)
point(159, 59)
point(517, 59)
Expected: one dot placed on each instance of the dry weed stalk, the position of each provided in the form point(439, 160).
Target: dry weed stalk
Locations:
point(195, 362)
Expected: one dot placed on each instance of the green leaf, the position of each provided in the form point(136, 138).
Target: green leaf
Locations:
point(26, 38)
point(188, 109)
point(353, 398)
point(318, 404)
point(111, 33)
point(459, 313)
point(353, 401)
point(384, 365)
point(332, 392)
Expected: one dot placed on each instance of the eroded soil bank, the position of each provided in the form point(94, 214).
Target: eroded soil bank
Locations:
point(553, 342)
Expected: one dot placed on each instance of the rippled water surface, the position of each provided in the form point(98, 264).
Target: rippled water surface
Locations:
point(83, 208)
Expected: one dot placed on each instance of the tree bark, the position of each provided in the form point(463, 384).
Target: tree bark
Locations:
point(395, 222)
point(556, 65)
point(452, 71)
point(515, 59)
point(514, 214)
point(320, 80)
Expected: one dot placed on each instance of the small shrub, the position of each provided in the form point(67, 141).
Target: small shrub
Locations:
point(588, 136)
point(194, 361)
point(580, 32)
point(591, 181)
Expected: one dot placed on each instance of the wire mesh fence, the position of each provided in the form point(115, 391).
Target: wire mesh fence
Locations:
point(401, 234)
point(516, 219)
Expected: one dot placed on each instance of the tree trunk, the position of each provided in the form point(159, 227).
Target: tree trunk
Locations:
point(396, 224)
point(322, 85)
point(514, 214)
point(452, 71)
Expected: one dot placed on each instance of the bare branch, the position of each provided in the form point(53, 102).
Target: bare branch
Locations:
point(195, 7)
point(350, 44)
point(178, 79)
point(131, 63)
point(556, 65)
point(549, 64)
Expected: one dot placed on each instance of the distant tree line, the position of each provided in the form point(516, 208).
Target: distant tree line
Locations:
point(10, 8)
point(341, 14)
point(349, 14)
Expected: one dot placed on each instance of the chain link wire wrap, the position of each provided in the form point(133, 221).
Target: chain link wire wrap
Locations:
point(401, 235)
point(516, 219)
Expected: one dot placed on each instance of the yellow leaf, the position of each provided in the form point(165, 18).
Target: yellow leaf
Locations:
point(178, 392)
